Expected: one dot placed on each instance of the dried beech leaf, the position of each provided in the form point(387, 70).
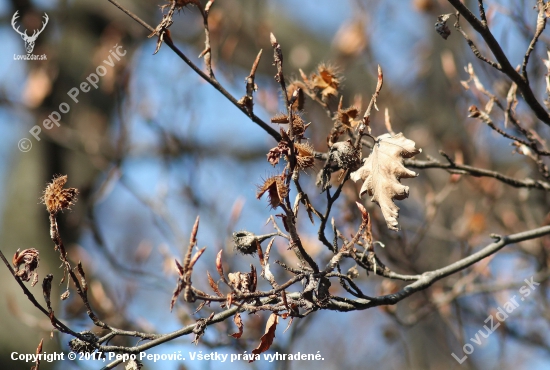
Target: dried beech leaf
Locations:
point(381, 173)
point(239, 322)
point(267, 339)
point(26, 263)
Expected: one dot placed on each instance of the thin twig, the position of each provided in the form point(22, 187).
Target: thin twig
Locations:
point(541, 24)
point(168, 41)
point(463, 169)
point(57, 324)
point(472, 46)
point(207, 52)
point(506, 67)
point(430, 277)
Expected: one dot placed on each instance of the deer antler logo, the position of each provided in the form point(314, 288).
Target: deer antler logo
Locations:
point(29, 40)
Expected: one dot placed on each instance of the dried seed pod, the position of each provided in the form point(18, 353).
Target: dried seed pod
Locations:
point(56, 198)
point(245, 242)
point(326, 81)
point(347, 116)
point(298, 125)
point(276, 188)
point(304, 157)
point(441, 25)
point(279, 118)
point(345, 155)
point(79, 346)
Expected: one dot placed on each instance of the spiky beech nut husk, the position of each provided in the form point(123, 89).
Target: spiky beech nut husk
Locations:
point(279, 118)
point(347, 116)
point(304, 156)
point(56, 198)
point(298, 125)
point(79, 346)
point(276, 189)
point(245, 242)
point(326, 81)
point(345, 155)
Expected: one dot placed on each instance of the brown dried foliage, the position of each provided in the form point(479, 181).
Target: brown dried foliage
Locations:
point(239, 322)
point(25, 264)
point(267, 339)
point(276, 190)
point(325, 81)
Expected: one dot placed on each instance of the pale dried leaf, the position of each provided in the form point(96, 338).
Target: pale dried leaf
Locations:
point(381, 173)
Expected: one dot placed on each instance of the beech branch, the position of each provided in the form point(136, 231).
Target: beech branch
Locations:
point(430, 277)
point(522, 82)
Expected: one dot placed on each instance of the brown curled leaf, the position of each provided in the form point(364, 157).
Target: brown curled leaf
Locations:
point(47, 290)
point(267, 339)
point(238, 321)
point(25, 264)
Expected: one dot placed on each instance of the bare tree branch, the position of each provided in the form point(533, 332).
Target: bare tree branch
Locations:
point(430, 277)
point(506, 67)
